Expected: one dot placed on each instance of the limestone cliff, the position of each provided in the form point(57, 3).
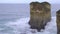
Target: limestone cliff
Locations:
point(40, 14)
point(58, 21)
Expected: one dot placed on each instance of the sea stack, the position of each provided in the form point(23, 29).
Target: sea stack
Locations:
point(58, 21)
point(40, 15)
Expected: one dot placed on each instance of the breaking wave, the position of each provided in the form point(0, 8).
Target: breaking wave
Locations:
point(21, 26)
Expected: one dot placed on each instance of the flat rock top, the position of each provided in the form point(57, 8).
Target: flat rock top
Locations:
point(39, 3)
point(58, 12)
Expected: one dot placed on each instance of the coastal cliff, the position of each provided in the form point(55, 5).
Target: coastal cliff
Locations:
point(40, 15)
point(58, 21)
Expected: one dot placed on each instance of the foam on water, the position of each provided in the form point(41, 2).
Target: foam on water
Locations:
point(21, 26)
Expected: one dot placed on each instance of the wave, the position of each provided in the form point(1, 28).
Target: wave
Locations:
point(21, 26)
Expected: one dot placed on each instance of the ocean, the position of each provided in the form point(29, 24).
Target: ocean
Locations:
point(11, 12)
point(14, 19)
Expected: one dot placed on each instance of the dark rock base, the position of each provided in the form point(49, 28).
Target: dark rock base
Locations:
point(39, 26)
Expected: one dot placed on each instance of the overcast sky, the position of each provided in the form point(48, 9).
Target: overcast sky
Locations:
point(28, 1)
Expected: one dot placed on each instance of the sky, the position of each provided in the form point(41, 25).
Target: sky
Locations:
point(28, 1)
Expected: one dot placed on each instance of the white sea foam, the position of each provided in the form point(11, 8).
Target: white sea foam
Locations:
point(21, 26)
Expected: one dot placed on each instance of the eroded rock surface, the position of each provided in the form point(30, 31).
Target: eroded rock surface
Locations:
point(40, 14)
point(58, 21)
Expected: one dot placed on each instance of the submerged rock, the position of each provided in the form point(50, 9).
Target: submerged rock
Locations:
point(40, 14)
point(58, 21)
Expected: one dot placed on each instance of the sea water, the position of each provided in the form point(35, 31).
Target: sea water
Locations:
point(14, 19)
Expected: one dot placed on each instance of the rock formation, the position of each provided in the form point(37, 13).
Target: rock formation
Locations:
point(40, 14)
point(58, 21)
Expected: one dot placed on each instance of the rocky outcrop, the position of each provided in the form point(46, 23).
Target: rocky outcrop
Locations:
point(58, 21)
point(40, 14)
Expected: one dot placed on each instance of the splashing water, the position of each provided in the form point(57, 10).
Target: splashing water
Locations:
point(21, 26)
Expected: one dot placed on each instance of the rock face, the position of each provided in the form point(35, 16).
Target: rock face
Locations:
point(40, 14)
point(58, 21)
